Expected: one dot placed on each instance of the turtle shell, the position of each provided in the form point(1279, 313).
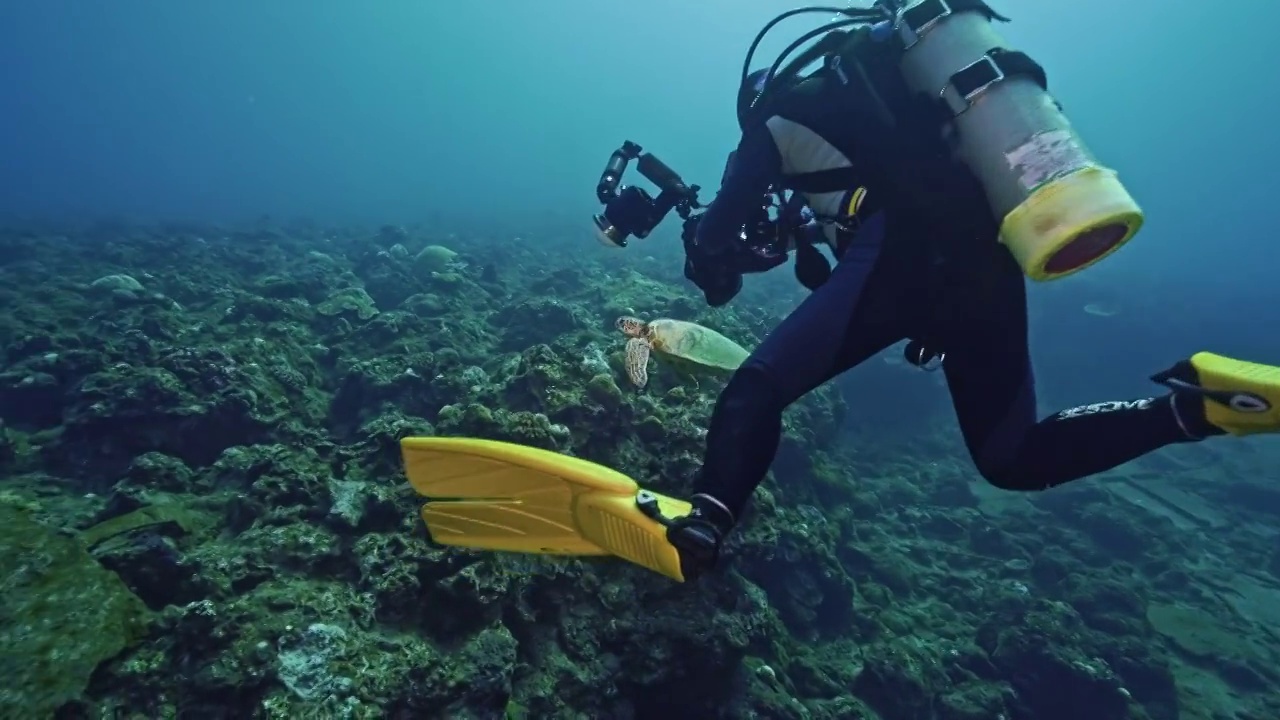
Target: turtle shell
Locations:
point(695, 343)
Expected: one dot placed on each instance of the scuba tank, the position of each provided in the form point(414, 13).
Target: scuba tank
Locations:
point(1060, 209)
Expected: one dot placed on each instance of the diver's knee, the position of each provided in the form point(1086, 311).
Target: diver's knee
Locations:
point(1003, 477)
point(998, 467)
point(751, 387)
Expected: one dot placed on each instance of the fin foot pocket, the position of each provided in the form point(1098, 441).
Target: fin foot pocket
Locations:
point(1253, 389)
point(1240, 397)
point(617, 524)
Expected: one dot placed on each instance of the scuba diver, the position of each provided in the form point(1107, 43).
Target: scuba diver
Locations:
point(936, 169)
point(919, 259)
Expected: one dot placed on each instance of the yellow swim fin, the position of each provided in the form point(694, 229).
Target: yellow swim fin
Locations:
point(493, 495)
point(1241, 398)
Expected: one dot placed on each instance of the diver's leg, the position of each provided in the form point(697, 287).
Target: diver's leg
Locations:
point(827, 334)
point(988, 369)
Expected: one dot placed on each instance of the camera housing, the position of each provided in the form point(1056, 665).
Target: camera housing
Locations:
point(630, 210)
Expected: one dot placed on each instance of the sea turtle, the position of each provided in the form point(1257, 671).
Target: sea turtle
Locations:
point(701, 347)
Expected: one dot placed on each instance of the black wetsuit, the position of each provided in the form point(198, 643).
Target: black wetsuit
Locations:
point(904, 275)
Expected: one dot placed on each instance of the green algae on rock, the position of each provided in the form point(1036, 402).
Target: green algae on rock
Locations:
point(866, 574)
point(605, 391)
point(61, 614)
point(143, 517)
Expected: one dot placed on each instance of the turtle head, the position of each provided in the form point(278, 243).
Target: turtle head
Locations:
point(632, 326)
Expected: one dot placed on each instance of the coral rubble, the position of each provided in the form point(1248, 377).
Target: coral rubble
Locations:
point(204, 514)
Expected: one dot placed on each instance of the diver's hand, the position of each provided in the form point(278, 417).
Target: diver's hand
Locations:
point(713, 269)
point(758, 259)
point(812, 267)
point(689, 231)
point(697, 536)
point(719, 284)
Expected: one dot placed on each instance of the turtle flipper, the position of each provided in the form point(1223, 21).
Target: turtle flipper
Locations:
point(638, 361)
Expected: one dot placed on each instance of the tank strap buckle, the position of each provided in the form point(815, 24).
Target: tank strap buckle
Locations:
point(916, 21)
point(971, 81)
point(920, 19)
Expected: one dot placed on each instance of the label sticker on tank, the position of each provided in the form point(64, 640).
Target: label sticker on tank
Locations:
point(1047, 156)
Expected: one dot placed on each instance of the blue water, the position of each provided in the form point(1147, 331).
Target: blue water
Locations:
point(503, 113)
point(396, 109)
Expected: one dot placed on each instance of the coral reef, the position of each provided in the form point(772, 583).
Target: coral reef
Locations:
point(204, 513)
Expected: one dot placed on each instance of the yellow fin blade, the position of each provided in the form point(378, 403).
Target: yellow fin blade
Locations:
point(493, 495)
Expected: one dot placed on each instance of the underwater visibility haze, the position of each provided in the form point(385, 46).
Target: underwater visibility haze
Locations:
point(273, 273)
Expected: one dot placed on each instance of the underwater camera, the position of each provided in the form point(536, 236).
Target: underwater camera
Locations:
point(631, 211)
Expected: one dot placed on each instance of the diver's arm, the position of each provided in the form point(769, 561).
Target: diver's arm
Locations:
point(755, 166)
